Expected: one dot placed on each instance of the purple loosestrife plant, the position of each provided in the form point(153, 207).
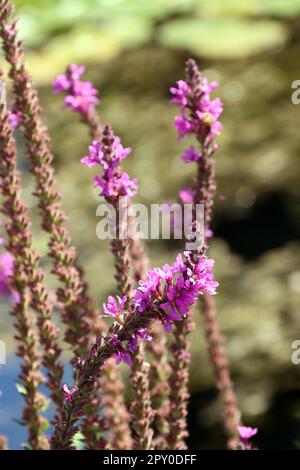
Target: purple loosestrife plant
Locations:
point(30, 378)
point(20, 247)
point(117, 187)
point(159, 373)
point(190, 276)
point(69, 83)
point(199, 116)
point(77, 313)
point(81, 97)
point(150, 303)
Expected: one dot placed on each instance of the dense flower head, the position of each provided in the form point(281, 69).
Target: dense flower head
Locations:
point(199, 114)
point(246, 432)
point(113, 182)
point(168, 293)
point(116, 185)
point(96, 154)
point(174, 289)
point(81, 95)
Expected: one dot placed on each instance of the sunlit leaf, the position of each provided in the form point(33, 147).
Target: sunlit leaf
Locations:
point(78, 440)
point(223, 38)
point(280, 8)
point(21, 389)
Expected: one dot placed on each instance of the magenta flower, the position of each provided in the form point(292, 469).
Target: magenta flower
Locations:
point(61, 83)
point(208, 232)
point(169, 293)
point(182, 126)
point(180, 93)
point(186, 196)
point(75, 71)
point(175, 288)
point(126, 349)
point(198, 113)
point(95, 155)
point(6, 271)
point(141, 334)
point(81, 94)
point(114, 182)
point(14, 119)
point(124, 356)
point(246, 432)
point(69, 393)
point(117, 185)
point(191, 155)
point(115, 307)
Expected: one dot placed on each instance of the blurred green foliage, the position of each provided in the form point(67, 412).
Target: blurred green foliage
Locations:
point(100, 29)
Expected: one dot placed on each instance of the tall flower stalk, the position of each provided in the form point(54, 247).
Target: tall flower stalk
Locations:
point(80, 318)
point(78, 315)
point(178, 385)
point(189, 277)
point(117, 190)
point(199, 117)
point(19, 245)
point(159, 373)
point(81, 97)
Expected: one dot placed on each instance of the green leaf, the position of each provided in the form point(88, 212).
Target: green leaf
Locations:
point(280, 8)
point(26, 446)
point(226, 38)
point(19, 421)
point(45, 406)
point(44, 426)
point(78, 440)
point(21, 389)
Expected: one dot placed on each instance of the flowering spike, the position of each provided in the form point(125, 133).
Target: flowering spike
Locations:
point(199, 114)
point(120, 339)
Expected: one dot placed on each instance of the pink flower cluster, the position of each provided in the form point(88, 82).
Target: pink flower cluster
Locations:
point(198, 113)
point(114, 182)
point(128, 348)
point(81, 95)
point(172, 290)
point(168, 292)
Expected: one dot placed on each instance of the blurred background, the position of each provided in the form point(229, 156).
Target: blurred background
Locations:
point(134, 50)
